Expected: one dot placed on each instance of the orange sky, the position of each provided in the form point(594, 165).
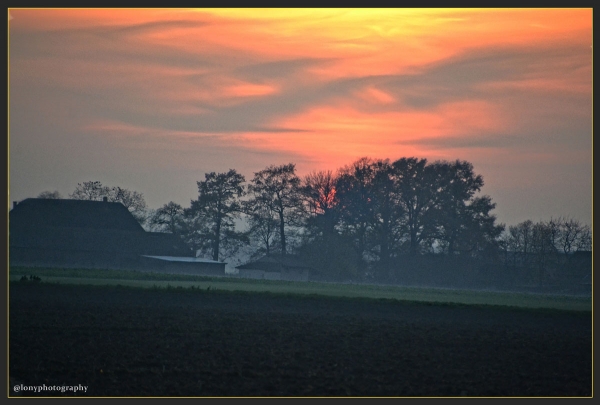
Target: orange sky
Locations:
point(151, 99)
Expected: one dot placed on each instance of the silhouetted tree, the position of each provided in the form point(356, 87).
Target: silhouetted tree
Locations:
point(96, 191)
point(90, 190)
point(542, 249)
point(388, 215)
point(51, 195)
point(518, 241)
point(418, 187)
point(545, 244)
point(354, 191)
point(168, 218)
point(465, 222)
point(332, 257)
point(132, 200)
point(320, 201)
point(530, 246)
point(216, 208)
point(262, 219)
point(572, 236)
point(481, 234)
point(410, 206)
point(196, 232)
point(522, 235)
point(278, 187)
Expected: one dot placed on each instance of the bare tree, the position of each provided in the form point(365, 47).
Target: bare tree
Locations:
point(279, 187)
point(51, 195)
point(132, 200)
point(319, 196)
point(573, 236)
point(218, 204)
point(90, 190)
point(167, 218)
point(262, 218)
point(96, 191)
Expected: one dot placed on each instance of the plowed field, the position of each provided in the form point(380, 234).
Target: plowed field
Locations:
point(157, 342)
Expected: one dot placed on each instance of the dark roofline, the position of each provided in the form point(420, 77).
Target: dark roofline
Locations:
point(35, 212)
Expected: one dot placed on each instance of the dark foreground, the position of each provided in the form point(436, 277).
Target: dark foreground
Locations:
point(133, 342)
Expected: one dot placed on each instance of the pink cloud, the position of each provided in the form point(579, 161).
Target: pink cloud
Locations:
point(338, 135)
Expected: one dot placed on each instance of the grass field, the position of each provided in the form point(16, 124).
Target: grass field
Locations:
point(429, 295)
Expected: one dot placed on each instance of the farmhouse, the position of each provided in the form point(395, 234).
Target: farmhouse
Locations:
point(95, 234)
point(276, 267)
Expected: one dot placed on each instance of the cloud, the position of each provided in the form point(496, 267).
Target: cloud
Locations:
point(151, 27)
point(189, 89)
point(485, 140)
point(214, 89)
point(278, 69)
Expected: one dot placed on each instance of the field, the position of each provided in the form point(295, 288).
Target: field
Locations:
point(201, 341)
point(426, 295)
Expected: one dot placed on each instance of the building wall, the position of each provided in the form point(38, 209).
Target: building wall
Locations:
point(272, 275)
point(295, 275)
point(26, 257)
point(254, 274)
point(260, 274)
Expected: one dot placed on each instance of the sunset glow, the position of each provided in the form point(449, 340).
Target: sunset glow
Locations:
point(151, 99)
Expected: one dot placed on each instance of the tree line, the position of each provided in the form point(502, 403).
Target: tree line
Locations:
point(366, 215)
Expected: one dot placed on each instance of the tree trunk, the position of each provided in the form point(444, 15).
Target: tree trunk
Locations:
point(217, 240)
point(413, 241)
point(282, 232)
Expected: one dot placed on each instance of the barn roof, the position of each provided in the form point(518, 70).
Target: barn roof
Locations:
point(185, 259)
point(90, 226)
point(41, 212)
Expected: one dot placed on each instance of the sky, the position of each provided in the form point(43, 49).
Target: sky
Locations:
point(152, 99)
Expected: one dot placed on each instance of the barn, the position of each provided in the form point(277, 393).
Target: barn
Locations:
point(61, 233)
